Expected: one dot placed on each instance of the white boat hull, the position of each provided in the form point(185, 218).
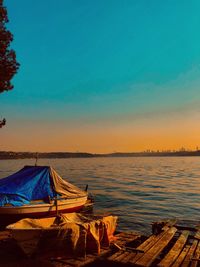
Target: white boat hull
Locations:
point(9, 214)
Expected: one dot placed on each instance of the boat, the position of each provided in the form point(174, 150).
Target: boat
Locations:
point(71, 233)
point(38, 191)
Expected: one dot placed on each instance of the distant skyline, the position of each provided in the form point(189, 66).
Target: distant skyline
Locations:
point(103, 76)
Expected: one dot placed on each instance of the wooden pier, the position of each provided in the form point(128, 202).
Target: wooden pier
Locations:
point(171, 244)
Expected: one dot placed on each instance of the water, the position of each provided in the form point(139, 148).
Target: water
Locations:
point(138, 190)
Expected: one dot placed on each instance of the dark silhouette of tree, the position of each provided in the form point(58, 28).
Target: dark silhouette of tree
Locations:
point(8, 63)
point(2, 123)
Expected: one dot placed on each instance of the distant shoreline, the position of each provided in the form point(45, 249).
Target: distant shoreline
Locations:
point(48, 155)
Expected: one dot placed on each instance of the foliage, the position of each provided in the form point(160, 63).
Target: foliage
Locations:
point(8, 63)
point(2, 123)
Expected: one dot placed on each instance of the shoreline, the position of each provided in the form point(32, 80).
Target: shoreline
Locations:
point(4, 155)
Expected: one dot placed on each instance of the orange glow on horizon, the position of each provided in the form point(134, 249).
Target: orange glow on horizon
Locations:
point(139, 135)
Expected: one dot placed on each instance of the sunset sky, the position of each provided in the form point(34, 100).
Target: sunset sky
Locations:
point(103, 76)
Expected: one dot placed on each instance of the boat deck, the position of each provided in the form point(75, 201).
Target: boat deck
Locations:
point(172, 244)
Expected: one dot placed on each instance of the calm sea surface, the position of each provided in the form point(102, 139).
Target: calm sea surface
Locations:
point(138, 190)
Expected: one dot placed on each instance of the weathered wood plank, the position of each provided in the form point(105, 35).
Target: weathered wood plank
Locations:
point(119, 255)
point(190, 253)
point(115, 255)
point(197, 235)
point(196, 257)
point(122, 240)
point(153, 252)
point(129, 257)
point(175, 250)
point(122, 256)
point(150, 241)
point(181, 257)
point(145, 246)
point(132, 254)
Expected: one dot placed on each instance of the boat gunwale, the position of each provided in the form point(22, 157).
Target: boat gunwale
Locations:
point(61, 202)
point(50, 228)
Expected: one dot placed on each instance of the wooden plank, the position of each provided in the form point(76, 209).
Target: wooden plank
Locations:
point(197, 235)
point(153, 252)
point(175, 250)
point(121, 242)
point(134, 256)
point(190, 253)
point(131, 254)
point(181, 257)
point(129, 257)
point(150, 241)
point(115, 255)
point(196, 257)
point(122, 256)
point(146, 245)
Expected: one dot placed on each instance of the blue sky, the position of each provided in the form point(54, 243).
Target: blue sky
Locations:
point(102, 62)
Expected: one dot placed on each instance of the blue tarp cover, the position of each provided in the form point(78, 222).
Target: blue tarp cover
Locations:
point(30, 183)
